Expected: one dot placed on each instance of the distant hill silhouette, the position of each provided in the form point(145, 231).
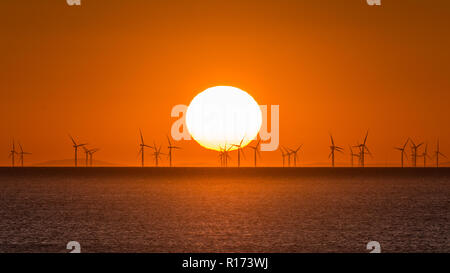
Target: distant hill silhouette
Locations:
point(69, 163)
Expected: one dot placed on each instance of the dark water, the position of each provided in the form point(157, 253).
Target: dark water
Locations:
point(224, 210)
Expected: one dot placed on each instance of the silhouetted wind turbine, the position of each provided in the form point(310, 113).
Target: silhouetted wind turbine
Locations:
point(156, 153)
point(75, 146)
point(13, 153)
point(402, 149)
point(170, 147)
point(239, 150)
point(414, 148)
point(256, 151)
point(352, 154)
point(91, 154)
point(142, 148)
point(226, 156)
point(288, 154)
point(425, 155)
point(86, 152)
point(22, 153)
point(221, 156)
point(362, 150)
point(294, 153)
point(333, 148)
point(283, 154)
point(438, 153)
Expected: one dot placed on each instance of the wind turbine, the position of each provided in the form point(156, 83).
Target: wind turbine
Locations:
point(438, 153)
point(170, 147)
point(226, 156)
point(425, 155)
point(13, 153)
point(283, 154)
point(75, 146)
point(294, 153)
point(22, 153)
point(239, 150)
point(333, 148)
point(288, 154)
point(256, 151)
point(142, 148)
point(414, 148)
point(362, 150)
point(352, 154)
point(221, 156)
point(156, 153)
point(86, 151)
point(91, 153)
point(402, 149)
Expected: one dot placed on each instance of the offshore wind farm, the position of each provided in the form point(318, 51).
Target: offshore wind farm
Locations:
point(228, 127)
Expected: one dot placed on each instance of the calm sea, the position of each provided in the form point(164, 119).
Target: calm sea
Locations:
point(224, 210)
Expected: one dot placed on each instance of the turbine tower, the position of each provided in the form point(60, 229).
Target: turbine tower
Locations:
point(402, 150)
point(294, 153)
point(438, 153)
point(333, 148)
point(414, 155)
point(240, 150)
point(22, 153)
point(256, 151)
point(12, 154)
point(75, 146)
point(170, 147)
point(142, 148)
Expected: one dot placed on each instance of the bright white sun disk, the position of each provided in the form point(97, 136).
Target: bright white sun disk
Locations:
point(223, 116)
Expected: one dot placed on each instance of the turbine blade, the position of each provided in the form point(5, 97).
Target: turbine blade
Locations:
point(404, 145)
point(73, 140)
point(365, 139)
point(142, 138)
point(257, 143)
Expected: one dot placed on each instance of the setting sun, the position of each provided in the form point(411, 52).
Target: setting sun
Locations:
point(222, 116)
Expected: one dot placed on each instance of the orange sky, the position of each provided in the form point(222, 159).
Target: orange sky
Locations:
point(103, 70)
